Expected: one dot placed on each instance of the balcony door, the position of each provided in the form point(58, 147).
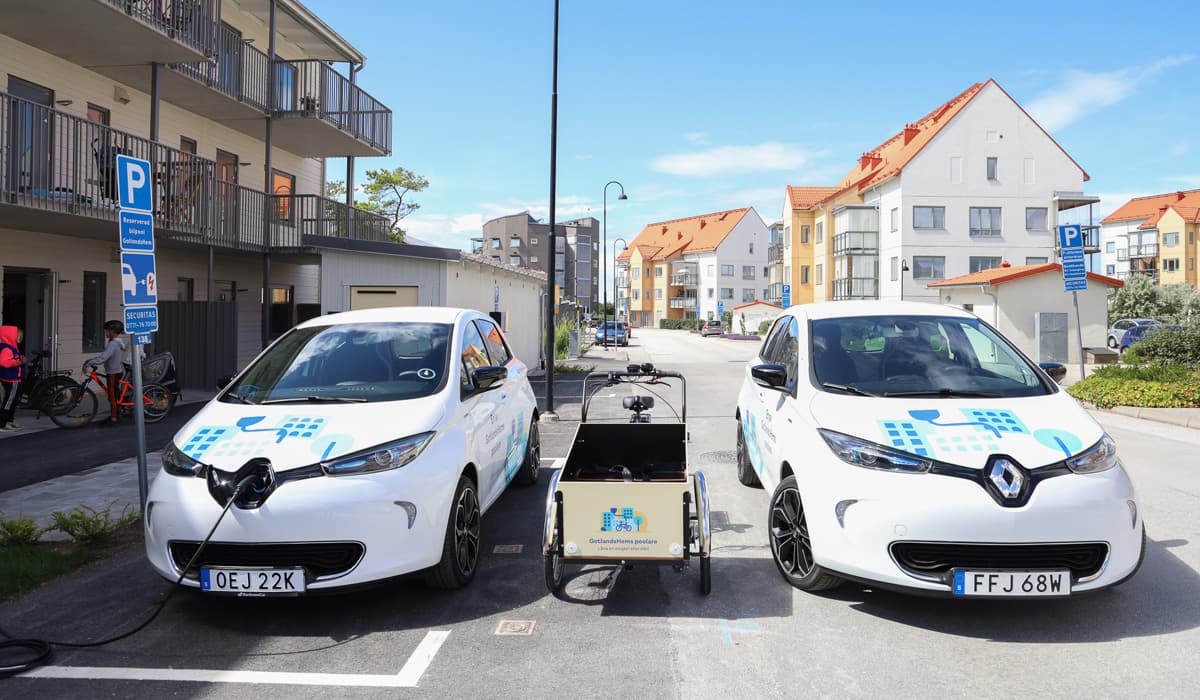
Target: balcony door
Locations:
point(229, 61)
point(30, 163)
point(227, 196)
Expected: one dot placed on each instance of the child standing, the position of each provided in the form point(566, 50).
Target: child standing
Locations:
point(12, 371)
point(114, 352)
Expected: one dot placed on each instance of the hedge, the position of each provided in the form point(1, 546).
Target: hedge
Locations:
point(681, 324)
point(1168, 346)
point(1172, 387)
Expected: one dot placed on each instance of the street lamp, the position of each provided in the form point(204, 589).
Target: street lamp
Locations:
point(903, 269)
point(604, 247)
point(615, 276)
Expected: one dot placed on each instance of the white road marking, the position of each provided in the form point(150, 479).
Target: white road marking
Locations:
point(407, 678)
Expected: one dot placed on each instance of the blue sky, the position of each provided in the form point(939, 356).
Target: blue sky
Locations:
point(700, 106)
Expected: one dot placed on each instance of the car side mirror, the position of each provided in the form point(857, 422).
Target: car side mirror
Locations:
point(1056, 370)
point(488, 377)
point(224, 382)
point(770, 375)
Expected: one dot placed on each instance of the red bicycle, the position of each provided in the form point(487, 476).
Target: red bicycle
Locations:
point(80, 402)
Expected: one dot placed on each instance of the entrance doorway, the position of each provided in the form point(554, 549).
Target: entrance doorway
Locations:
point(31, 148)
point(28, 304)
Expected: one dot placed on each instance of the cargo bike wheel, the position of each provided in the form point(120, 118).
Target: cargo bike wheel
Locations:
point(554, 565)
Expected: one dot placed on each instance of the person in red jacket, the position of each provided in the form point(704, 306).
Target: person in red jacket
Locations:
point(12, 371)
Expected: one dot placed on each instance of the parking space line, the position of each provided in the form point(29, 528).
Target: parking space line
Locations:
point(408, 677)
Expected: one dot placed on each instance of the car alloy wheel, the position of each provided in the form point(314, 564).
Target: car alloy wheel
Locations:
point(791, 544)
point(1112, 342)
point(466, 531)
point(745, 471)
point(532, 464)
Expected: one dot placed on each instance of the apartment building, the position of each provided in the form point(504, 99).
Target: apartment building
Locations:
point(519, 240)
point(692, 268)
point(236, 104)
point(774, 272)
point(974, 183)
point(1153, 236)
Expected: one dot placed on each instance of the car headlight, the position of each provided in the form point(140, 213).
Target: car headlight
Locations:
point(391, 455)
point(1098, 458)
point(175, 462)
point(862, 453)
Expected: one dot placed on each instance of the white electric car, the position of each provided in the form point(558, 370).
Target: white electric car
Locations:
point(369, 443)
point(911, 446)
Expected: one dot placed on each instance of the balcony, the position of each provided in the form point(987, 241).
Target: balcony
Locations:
point(1145, 250)
point(231, 86)
point(58, 175)
point(775, 293)
point(853, 242)
point(101, 34)
point(855, 288)
point(683, 302)
point(1122, 254)
point(321, 113)
point(775, 254)
point(686, 279)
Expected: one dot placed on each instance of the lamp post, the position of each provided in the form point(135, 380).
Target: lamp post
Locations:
point(903, 269)
point(615, 275)
point(604, 247)
point(551, 258)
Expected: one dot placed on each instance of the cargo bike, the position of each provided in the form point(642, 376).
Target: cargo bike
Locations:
point(625, 495)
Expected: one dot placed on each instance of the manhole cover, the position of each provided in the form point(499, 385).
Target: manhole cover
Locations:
point(718, 457)
point(508, 549)
point(515, 627)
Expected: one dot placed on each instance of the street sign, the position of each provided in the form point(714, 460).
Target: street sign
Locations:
point(141, 319)
point(134, 190)
point(1070, 243)
point(720, 308)
point(137, 231)
point(138, 280)
point(787, 295)
point(496, 297)
point(141, 338)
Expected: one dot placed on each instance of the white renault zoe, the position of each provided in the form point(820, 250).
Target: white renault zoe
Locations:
point(912, 446)
point(357, 447)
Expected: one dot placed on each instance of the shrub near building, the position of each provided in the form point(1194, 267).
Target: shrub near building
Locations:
point(1167, 376)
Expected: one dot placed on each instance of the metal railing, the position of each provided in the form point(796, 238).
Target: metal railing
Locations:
point(192, 22)
point(855, 288)
point(294, 216)
point(1145, 250)
point(236, 70)
point(855, 242)
point(683, 302)
point(1122, 253)
point(774, 293)
point(685, 280)
point(774, 253)
point(314, 89)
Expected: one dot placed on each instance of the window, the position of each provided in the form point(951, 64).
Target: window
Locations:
point(1036, 260)
point(752, 247)
point(804, 235)
point(747, 294)
point(787, 236)
point(1035, 218)
point(895, 268)
point(533, 240)
point(895, 218)
point(1110, 270)
point(747, 272)
point(497, 349)
point(819, 274)
point(1170, 264)
point(727, 270)
point(595, 247)
point(496, 259)
point(185, 289)
point(658, 293)
point(726, 292)
point(637, 272)
point(636, 294)
point(980, 263)
point(1110, 247)
point(496, 244)
point(1191, 263)
point(472, 354)
point(514, 260)
point(766, 271)
point(514, 242)
point(929, 217)
point(804, 272)
point(533, 258)
point(283, 186)
point(1191, 237)
point(658, 271)
point(1170, 240)
point(991, 167)
point(100, 115)
point(985, 221)
point(94, 291)
point(929, 267)
point(187, 145)
point(226, 290)
point(710, 292)
point(711, 270)
point(820, 231)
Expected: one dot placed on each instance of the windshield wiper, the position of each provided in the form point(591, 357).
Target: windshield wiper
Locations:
point(850, 389)
point(241, 399)
point(318, 399)
point(947, 392)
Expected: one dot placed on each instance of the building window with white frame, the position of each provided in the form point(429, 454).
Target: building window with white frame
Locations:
point(636, 294)
point(1038, 260)
point(637, 272)
point(514, 242)
point(533, 240)
point(929, 217)
point(747, 294)
point(747, 272)
point(819, 274)
point(658, 271)
point(1035, 218)
point(533, 258)
point(1110, 247)
point(1110, 270)
point(979, 263)
point(895, 219)
point(929, 267)
point(820, 231)
point(1170, 264)
point(726, 292)
point(1170, 240)
point(992, 163)
point(804, 274)
point(496, 244)
point(895, 268)
point(804, 235)
point(658, 293)
point(727, 270)
point(985, 221)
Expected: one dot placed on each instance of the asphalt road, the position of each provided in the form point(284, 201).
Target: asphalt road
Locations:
point(648, 632)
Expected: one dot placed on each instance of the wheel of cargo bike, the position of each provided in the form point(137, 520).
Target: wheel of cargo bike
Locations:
point(554, 566)
point(158, 402)
point(745, 470)
point(74, 406)
point(527, 475)
point(705, 575)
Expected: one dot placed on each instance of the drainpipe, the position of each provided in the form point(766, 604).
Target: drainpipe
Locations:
point(354, 69)
point(267, 190)
point(995, 306)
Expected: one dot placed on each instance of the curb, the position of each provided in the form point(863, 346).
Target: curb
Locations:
point(1151, 414)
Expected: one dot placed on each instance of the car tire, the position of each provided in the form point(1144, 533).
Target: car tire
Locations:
point(460, 547)
point(791, 546)
point(531, 466)
point(1112, 342)
point(745, 470)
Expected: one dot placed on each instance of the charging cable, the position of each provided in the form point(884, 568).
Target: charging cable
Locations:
point(40, 651)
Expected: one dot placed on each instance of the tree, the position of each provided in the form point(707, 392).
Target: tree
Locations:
point(1137, 299)
point(384, 194)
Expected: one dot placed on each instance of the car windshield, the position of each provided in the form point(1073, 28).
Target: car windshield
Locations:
point(612, 325)
point(349, 362)
point(934, 356)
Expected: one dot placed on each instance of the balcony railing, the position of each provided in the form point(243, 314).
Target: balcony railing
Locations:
point(775, 253)
point(855, 288)
point(1145, 250)
point(314, 89)
point(299, 215)
point(1152, 274)
point(237, 70)
point(683, 302)
point(774, 293)
point(192, 22)
point(1122, 253)
point(685, 280)
point(855, 242)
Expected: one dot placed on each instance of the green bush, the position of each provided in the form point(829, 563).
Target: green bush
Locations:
point(86, 525)
point(1147, 373)
point(1168, 346)
point(677, 324)
point(764, 327)
point(1108, 390)
point(562, 339)
point(19, 532)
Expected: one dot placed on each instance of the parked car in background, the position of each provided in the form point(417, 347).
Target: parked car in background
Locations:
point(712, 327)
point(1117, 333)
point(628, 329)
point(612, 333)
point(1137, 333)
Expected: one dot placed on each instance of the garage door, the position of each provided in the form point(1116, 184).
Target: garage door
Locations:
point(381, 297)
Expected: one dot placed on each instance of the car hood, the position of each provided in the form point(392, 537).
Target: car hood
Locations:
point(1035, 431)
point(227, 435)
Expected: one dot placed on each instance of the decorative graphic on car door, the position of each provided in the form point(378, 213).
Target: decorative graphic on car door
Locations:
point(518, 439)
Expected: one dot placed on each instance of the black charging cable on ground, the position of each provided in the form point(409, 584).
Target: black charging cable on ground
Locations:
point(40, 651)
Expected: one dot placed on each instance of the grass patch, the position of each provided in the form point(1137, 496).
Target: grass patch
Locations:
point(567, 368)
point(26, 567)
point(1153, 386)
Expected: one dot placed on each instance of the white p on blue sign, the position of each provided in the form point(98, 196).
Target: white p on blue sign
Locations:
point(134, 189)
point(787, 295)
point(1070, 242)
point(1070, 238)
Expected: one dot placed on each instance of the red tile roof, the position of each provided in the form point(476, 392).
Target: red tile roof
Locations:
point(758, 302)
point(806, 197)
point(1002, 274)
point(1150, 205)
point(688, 235)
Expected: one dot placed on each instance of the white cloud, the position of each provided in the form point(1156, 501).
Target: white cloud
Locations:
point(1184, 181)
point(1111, 201)
point(764, 157)
point(1083, 92)
point(456, 230)
point(697, 138)
point(1179, 148)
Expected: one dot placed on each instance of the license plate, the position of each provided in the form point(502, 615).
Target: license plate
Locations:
point(1012, 583)
point(252, 581)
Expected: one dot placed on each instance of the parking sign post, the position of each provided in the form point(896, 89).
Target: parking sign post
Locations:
point(1070, 244)
point(139, 283)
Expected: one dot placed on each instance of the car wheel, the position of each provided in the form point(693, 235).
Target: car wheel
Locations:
point(531, 466)
point(745, 471)
point(791, 546)
point(460, 549)
point(1112, 342)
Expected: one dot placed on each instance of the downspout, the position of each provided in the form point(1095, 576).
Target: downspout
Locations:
point(267, 190)
point(983, 288)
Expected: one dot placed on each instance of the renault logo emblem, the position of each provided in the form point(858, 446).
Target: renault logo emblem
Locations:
point(1007, 478)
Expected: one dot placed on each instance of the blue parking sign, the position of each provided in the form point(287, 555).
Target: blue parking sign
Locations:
point(138, 280)
point(787, 295)
point(134, 190)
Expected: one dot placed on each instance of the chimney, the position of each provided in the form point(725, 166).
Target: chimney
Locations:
point(664, 229)
point(1005, 263)
point(910, 132)
point(863, 160)
point(1179, 196)
point(703, 223)
point(876, 159)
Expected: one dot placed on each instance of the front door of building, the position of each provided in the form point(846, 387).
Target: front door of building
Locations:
point(31, 125)
point(228, 205)
point(29, 304)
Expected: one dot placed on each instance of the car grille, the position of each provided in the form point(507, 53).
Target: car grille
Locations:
point(319, 559)
point(934, 560)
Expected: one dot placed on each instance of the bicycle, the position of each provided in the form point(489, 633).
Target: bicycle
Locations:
point(41, 389)
point(81, 403)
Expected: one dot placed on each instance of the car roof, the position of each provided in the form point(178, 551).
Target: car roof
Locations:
point(394, 314)
point(872, 307)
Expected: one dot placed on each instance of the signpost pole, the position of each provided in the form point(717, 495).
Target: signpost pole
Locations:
point(1070, 244)
point(139, 422)
point(1078, 334)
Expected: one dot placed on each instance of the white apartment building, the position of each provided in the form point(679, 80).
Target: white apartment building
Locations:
point(1153, 236)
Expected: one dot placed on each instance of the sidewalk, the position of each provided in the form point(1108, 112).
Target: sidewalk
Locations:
point(1182, 417)
point(29, 421)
